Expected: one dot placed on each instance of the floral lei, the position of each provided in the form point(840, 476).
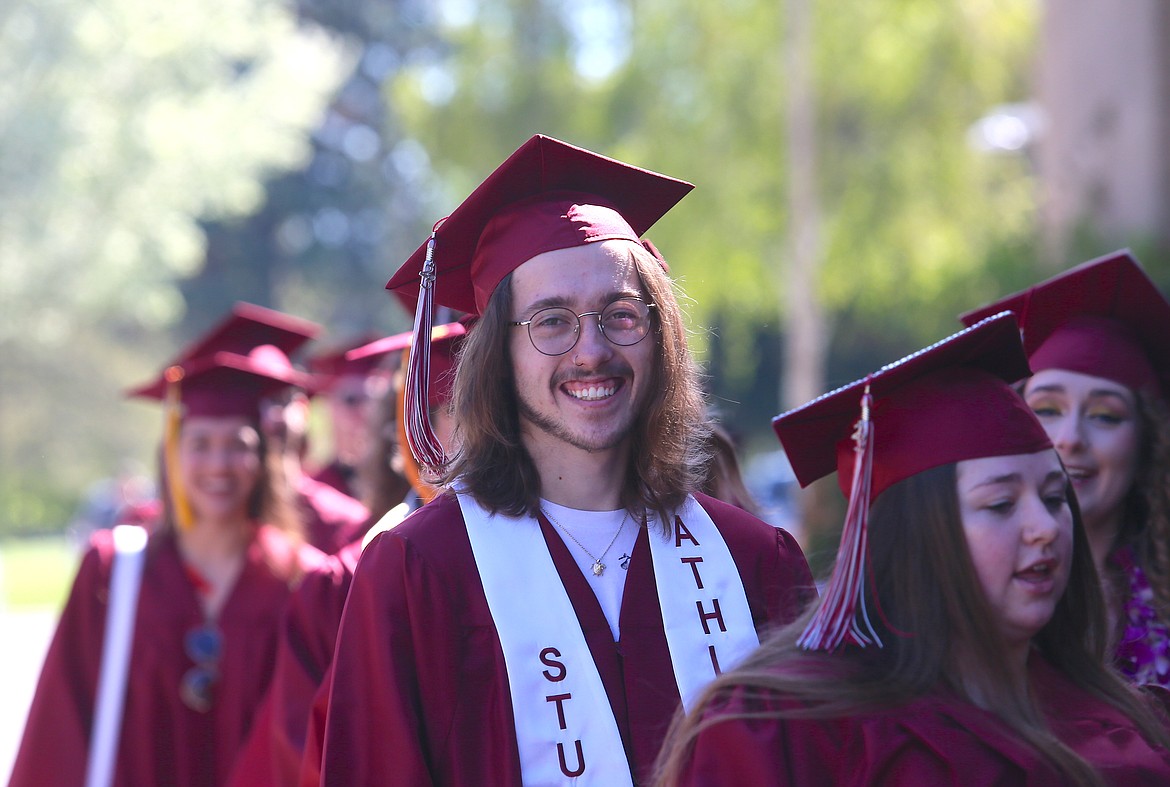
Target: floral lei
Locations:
point(1143, 652)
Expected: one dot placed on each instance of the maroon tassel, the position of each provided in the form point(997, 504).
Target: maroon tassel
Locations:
point(842, 615)
point(420, 434)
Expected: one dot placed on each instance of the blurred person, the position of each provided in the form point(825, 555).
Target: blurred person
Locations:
point(724, 479)
point(331, 518)
point(113, 501)
point(276, 746)
point(350, 389)
point(1098, 338)
point(390, 471)
point(961, 637)
point(536, 621)
point(219, 570)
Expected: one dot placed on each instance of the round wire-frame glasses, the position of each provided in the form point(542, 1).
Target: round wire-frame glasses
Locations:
point(554, 331)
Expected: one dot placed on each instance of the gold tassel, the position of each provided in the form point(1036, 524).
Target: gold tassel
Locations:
point(180, 505)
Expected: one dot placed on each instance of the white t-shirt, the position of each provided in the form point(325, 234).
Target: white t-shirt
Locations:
point(595, 530)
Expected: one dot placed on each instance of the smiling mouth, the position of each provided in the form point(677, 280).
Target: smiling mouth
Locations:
point(1078, 473)
point(592, 393)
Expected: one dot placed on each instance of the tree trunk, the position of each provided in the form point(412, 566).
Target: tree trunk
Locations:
point(805, 330)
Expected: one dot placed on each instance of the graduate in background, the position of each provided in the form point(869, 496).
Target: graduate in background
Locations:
point(961, 638)
point(724, 478)
point(331, 518)
point(349, 388)
point(1098, 341)
point(219, 569)
point(273, 755)
point(541, 619)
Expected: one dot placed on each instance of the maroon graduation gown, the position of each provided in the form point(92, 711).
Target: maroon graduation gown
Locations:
point(332, 519)
point(163, 742)
point(337, 475)
point(1099, 732)
point(272, 755)
point(936, 740)
point(419, 686)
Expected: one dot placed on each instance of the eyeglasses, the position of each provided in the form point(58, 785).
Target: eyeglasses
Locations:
point(555, 331)
point(204, 646)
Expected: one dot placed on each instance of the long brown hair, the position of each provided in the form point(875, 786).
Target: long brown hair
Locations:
point(383, 487)
point(1146, 519)
point(668, 452)
point(931, 614)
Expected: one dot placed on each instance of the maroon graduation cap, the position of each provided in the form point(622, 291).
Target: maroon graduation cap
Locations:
point(248, 326)
point(329, 365)
point(949, 402)
point(548, 195)
point(1104, 318)
point(445, 342)
point(222, 384)
point(225, 383)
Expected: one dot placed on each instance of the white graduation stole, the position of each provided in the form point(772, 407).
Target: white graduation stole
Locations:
point(705, 611)
point(565, 727)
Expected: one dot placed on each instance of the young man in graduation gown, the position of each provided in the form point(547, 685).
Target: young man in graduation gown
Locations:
point(542, 620)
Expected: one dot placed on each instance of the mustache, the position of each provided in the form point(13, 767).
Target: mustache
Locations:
point(610, 369)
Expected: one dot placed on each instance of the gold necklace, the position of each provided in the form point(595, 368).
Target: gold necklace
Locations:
point(598, 566)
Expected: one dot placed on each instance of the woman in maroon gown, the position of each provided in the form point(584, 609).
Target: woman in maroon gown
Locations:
point(218, 572)
point(961, 639)
point(1098, 342)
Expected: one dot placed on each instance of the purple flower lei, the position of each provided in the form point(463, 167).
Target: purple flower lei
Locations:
point(1143, 652)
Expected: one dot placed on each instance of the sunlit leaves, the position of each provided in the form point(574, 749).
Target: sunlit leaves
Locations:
point(121, 124)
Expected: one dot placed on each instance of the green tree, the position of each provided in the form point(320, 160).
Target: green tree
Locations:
point(912, 213)
point(122, 124)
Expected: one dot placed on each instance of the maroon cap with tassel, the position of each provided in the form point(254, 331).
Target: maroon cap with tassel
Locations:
point(949, 402)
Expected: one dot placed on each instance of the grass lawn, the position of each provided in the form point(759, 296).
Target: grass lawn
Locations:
point(36, 573)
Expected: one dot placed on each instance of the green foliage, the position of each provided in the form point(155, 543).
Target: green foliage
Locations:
point(914, 218)
point(31, 506)
point(35, 573)
point(121, 124)
point(64, 423)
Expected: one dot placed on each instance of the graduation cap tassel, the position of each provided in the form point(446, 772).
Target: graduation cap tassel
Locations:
point(180, 505)
point(420, 435)
point(842, 616)
point(425, 491)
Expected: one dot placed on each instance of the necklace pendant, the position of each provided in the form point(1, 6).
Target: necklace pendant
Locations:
point(598, 568)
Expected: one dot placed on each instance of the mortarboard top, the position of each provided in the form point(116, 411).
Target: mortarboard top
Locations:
point(949, 402)
point(248, 326)
point(226, 383)
point(445, 342)
point(1104, 318)
point(946, 403)
point(544, 197)
point(380, 348)
point(328, 365)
